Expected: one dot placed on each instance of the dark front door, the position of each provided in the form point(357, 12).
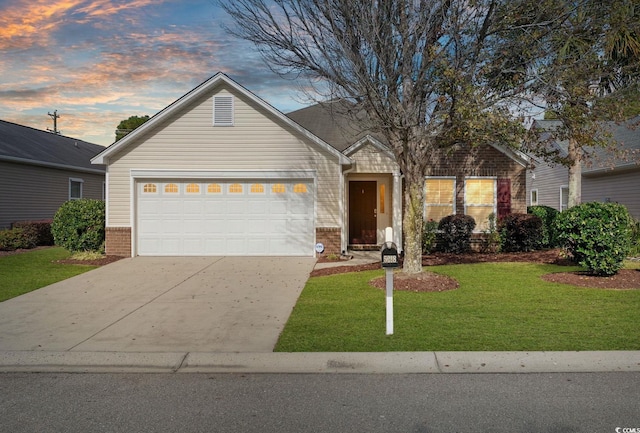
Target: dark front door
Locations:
point(363, 218)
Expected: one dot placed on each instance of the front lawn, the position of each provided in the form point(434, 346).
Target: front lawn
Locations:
point(24, 272)
point(498, 307)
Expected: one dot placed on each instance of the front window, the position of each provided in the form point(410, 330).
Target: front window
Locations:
point(480, 200)
point(564, 198)
point(439, 198)
point(75, 189)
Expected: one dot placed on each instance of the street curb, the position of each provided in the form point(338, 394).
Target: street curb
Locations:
point(321, 362)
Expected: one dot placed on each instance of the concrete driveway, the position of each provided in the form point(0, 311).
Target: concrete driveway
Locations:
point(160, 304)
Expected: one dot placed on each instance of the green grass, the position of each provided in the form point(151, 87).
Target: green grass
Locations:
point(25, 272)
point(498, 306)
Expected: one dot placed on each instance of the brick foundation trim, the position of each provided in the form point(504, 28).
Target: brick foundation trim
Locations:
point(118, 241)
point(330, 238)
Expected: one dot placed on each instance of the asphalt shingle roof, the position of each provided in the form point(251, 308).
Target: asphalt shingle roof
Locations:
point(22, 143)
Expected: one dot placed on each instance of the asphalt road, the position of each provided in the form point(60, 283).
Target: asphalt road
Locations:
point(558, 402)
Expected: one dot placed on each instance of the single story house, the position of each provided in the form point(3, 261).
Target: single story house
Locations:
point(608, 178)
point(222, 172)
point(40, 170)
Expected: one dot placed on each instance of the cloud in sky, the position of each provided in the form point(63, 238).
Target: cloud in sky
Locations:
point(100, 61)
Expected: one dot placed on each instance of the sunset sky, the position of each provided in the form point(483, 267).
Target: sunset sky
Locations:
point(100, 61)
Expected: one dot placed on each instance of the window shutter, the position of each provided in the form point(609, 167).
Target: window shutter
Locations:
point(504, 197)
point(223, 111)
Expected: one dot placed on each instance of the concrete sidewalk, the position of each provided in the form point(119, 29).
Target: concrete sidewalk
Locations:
point(354, 363)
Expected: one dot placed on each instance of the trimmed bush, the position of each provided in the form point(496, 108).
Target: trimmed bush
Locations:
point(40, 229)
point(454, 233)
point(597, 235)
point(548, 216)
point(429, 236)
point(520, 232)
point(17, 238)
point(79, 225)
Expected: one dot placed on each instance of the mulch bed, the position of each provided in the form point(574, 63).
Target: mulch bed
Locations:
point(428, 281)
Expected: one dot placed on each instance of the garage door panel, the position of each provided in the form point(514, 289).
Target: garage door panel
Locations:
point(263, 218)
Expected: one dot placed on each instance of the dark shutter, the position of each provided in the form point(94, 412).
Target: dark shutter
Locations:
point(504, 197)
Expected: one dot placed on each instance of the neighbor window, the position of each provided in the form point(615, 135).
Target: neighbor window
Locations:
point(564, 198)
point(534, 197)
point(480, 200)
point(439, 198)
point(75, 188)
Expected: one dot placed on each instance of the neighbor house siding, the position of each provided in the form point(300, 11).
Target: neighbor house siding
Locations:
point(29, 192)
point(614, 187)
point(189, 141)
point(547, 181)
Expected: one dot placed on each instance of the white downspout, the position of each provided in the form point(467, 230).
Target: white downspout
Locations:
point(397, 210)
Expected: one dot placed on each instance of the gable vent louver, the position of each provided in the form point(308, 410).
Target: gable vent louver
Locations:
point(223, 111)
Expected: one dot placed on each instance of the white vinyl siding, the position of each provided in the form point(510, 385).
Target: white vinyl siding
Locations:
point(616, 187)
point(255, 143)
point(370, 159)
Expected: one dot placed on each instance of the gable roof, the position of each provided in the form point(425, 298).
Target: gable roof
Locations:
point(626, 135)
point(27, 145)
point(205, 87)
point(333, 122)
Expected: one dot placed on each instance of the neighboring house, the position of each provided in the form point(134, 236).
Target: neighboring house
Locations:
point(606, 179)
point(39, 171)
point(220, 171)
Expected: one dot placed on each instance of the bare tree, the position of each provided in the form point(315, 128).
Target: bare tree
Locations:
point(418, 69)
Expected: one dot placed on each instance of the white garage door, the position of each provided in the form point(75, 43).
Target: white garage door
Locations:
point(210, 217)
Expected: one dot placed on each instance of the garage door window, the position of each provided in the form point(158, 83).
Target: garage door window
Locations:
point(235, 188)
point(257, 188)
point(150, 188)
point(171, 188)
point(278, 188)
point(214, 188)
point(193, 188)
point(300, 188)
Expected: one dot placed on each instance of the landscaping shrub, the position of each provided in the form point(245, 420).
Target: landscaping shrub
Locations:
point(521, 232)
point(597, 235)
point(17, 238)
point(635, 239)
point(40, 229)
point(454, 233)
point(79, 225)
point(548, 216)
point(491, 239)
point(429, 236)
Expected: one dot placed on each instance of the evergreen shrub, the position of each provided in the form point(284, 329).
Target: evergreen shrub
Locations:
point(454, 233)
point(548, 216)
point(79, 225)
point(521, 232)
point(597, 235)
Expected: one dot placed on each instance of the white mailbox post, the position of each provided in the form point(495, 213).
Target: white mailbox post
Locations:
point(389, 263)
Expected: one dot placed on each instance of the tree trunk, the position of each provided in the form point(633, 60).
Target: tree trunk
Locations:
point(575, 173)
point(412, 224)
